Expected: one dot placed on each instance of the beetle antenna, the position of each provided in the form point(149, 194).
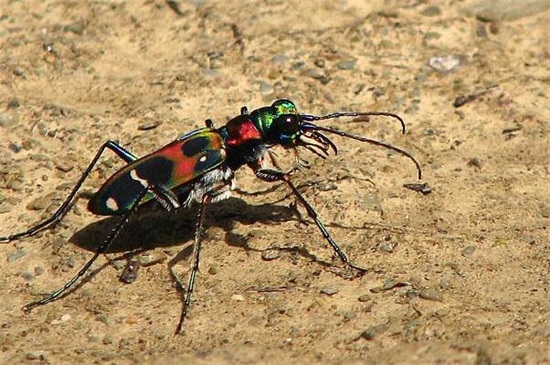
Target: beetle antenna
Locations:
point(354, 114)
point(376, 143)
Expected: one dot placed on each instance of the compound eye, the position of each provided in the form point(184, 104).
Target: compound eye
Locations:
point(288, 124)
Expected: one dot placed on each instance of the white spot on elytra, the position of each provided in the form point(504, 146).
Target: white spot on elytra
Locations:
point(202, 158)
point(134, 176)
point(111, 204)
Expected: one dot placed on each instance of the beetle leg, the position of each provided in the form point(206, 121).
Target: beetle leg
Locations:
point(166, 198)
point(100, 250)
point(120, 151)
point(271, 175)
point(206, 198)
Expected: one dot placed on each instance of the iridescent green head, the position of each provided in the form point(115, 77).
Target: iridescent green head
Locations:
point(279, 123)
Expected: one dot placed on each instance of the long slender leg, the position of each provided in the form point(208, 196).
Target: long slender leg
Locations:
point(64, 208)
point(195, 268)
point(100, 250)
point(275, 175)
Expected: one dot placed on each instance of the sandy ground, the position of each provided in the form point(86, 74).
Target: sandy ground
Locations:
point(460, 275)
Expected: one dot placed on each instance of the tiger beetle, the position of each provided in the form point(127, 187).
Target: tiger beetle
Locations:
point(200, 167)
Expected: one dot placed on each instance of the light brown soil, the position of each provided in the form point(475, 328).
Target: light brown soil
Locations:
point(460, 275)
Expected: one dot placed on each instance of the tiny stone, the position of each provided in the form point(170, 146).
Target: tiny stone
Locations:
point(58, 242)
point(213, 270)
point(279, 58)
point(15, 148)
point(468, 251)
point(35, 355)
point(14, 256)
point(348, 316)
point(103, 318)
point(9, 118)
point(93, 338)
point(124, 342)
point(544, 209)
point(76, 28)
point(107, 340)
point(364, 298)
point(328, 186)
point(148, 123)
point(432, 11)
point(130, 272)
point(27, 276)
point(40, 203)
point(475, 162)
point(347, 64)
point(444, 64)
point(119, 264)
point(314, 73)
point(431, 294)
point(329, 291)
point(424, 188)
point(371, 332)
point(237, 297)
point(271, 254)
point(13, 104)
point(150, 258)
point(65, 317)
point(64, 166)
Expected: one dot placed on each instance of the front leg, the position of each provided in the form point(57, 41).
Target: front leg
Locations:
point(272, 175)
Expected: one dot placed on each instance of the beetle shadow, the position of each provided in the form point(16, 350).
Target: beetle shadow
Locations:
point(151, 227)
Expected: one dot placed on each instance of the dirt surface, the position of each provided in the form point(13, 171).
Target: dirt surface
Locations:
point(460, 275)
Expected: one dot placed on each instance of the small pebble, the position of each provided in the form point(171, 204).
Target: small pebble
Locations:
point(347, 64)
point(148, 123)
point(237, 297)
point(40, 203)
point(370, 333)
point(468, 251)
point(14, 256)
point(13, 104)
point(474, 162)
point(327, 186)
point(432, 11)
point(15, 148)
point(431, 294)
point(35, 355)
point(313, 73)
point(280, 58)
point(76, 28)
point(18, 72)
point(27, 276)
point(130, 272)
point(108, 339)
point(9, 118)
point(329, 291)
point(424, 188)
point(64, 166)
point(271, 254)
point(505, 10)
point(444, 64)
point(150, 258)
point(364, 298)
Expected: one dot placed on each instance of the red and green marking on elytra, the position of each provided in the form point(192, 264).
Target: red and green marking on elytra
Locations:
point(199, 167)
